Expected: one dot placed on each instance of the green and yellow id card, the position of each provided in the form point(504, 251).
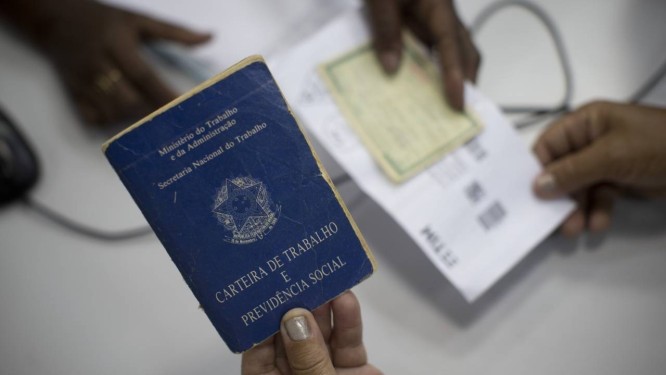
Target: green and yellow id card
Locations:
point(403, 119)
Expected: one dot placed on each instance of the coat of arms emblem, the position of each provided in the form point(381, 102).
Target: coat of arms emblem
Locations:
point(244, 207)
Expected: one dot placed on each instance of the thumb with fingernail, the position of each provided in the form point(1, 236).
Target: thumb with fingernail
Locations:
point(304, 344)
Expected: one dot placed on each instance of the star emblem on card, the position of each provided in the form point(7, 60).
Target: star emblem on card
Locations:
point(243, 206)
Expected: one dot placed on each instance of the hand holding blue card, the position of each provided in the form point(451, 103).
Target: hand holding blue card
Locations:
point(230, 185)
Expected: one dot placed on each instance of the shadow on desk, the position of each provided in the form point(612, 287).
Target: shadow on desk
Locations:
point(397, 251)
point(394, 249)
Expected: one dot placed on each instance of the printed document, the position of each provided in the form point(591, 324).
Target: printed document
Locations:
point(472, 213)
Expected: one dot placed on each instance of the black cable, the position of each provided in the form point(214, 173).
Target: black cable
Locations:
point(82, 229)
point(538, 116)
point(535, 114)
point(649, 85)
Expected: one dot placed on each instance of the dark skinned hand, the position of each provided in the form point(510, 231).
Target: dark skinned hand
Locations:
point(96, 49)
point(599, 151)
point(437, 24)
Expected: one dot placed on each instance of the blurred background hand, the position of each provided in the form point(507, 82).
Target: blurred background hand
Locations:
point(314, 343)
point(437, 24)
point(598, 151)
point(96, 49)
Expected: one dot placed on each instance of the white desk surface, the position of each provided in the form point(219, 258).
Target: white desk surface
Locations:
point(71, 305)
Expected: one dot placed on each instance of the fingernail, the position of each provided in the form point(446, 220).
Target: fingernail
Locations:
point(297, 328)
point(390, 60)
point(546, 183)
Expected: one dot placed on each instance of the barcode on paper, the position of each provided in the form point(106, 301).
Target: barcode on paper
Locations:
point(474, 192)
point(476, 150)
point(492, 216)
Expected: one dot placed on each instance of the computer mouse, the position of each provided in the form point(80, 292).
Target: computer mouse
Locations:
point(19, 169)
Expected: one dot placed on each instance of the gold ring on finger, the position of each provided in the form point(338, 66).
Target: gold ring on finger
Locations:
point(107, 81)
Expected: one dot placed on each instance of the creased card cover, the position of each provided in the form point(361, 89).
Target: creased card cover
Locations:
point(230, 185)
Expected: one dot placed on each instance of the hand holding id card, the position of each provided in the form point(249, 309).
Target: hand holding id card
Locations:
point(403, 119)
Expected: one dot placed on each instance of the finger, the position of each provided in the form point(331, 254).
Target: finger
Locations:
point(386, 25)
point(306, 350)
point(347, 338)
point(322, 315)
point(574, 152)
point(102, 106)
point(151, 28)
point(574, 172)
point(86, 110)
point(281, 361)
point(542, 153)
point(142, 76)
point(602, 199)
point(418, 28)
point(442, 22)
point(259, 359)
point(575, 224)
point(127, 101)
point(471, 56)
point(572, 132)
point(92, 102)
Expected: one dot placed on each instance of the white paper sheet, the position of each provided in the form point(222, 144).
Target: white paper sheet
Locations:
point(473, 213)
point(239, 28)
